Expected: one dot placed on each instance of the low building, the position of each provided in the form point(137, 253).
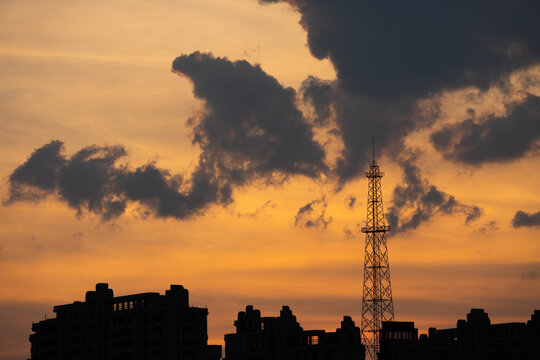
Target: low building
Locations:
point(474, 338)
point(282, 338)
point(141, 326)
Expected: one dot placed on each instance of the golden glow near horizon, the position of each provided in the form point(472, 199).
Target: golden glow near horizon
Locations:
point(99, 73)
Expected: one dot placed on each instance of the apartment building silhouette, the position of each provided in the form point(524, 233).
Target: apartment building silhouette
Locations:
point(140, 326)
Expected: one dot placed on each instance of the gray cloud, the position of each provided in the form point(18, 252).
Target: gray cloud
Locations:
point(259, 210)
point(351, 201)
point(417, 201)
point(488, 227)
point(313, 215)
point(492, 138)
point(88, 180)
point(429, 46)
point(39, 175)
point(248, 130)
point(389, 78)
point(358, 118)
point(523, 219)
point(250, 127)
point(92, 181)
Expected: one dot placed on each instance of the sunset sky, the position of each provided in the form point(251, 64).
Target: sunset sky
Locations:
point(221, 145)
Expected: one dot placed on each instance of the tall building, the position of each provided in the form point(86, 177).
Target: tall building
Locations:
point(141, 326)
point(282, 338)
point(474, 338)
point(377, 305)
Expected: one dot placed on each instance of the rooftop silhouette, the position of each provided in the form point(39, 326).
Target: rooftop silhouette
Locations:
point(282, 337)
point(474, 338)
point(140, 326)
point(154, 326)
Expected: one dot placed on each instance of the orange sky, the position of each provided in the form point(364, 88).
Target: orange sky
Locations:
point(87, 73)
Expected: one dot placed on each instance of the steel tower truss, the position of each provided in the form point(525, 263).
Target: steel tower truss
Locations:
point(377, 305)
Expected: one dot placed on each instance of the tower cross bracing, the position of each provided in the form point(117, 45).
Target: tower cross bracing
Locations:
point(377, 305)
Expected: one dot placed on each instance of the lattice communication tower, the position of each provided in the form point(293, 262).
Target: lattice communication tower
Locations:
point(377, 305)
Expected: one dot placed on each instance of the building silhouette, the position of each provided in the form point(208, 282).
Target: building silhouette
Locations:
point(141, 326)
point(282, 338)
point(474, 338)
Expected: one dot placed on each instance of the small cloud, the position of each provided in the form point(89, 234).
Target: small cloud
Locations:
point(487, 228)
point(473, 213)
point(416, 201)
point(253, 52)
point(259, 210)
point(523, 219)
point(349, 234)
point(313, 215)
point(351, 201)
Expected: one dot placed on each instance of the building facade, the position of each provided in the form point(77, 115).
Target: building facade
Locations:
point(141, 326)
point(474, 338)
point(282, 338)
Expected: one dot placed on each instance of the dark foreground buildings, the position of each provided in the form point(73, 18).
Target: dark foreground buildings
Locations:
point(473, 339)
point(282, 338)
point(153, 326)
point(141, 326)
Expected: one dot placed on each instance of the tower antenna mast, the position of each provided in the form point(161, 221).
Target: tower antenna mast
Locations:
point(377, 304)
point(373, 142)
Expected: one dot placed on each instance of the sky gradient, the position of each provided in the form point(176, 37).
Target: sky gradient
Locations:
point(237, 115)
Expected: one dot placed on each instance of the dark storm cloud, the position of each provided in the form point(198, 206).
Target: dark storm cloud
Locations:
point(313, 215)
point(358, 118)
point(92, 181)
point(393, 59)
point(250, 127)
point(492, 138)
point(392, 48)
point(417, 201)
point(523, 219)
point(319, 94)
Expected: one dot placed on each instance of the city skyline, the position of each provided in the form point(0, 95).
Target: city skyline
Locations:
point(145, 86)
